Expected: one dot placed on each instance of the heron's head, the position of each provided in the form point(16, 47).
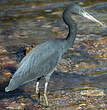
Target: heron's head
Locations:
point(75, 9)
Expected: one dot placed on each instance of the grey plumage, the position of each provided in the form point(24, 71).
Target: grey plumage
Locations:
point(39, 62)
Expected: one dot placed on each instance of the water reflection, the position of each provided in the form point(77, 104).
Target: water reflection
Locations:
point(27, 22)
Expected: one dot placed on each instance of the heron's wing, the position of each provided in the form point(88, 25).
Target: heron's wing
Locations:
point(39, 62)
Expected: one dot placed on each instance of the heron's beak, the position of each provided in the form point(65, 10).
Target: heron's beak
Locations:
point(85, 14)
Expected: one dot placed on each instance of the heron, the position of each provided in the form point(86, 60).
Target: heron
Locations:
point(42, 60)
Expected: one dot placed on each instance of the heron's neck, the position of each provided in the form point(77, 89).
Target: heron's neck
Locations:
point(69, 40)
point(72, 33)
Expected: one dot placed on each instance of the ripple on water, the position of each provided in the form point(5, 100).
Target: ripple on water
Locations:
point(84, 65)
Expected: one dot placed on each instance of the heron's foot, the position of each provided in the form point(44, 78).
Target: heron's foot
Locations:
point(46, 99)
point(43, 99)
point(40, 100)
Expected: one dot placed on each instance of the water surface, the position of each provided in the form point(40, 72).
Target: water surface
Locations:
point(83, 67)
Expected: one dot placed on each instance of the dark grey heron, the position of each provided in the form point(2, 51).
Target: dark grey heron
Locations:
point(42, 60)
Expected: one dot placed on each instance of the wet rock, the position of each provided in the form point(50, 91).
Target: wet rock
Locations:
point(2, 50)
point(91, 91)
point(27, 49)
point(15, 106)
point(7, 73)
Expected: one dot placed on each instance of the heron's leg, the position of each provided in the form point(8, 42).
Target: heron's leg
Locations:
point(37, 85)
point(45, 91)
point(37, 88)
point(38, 92)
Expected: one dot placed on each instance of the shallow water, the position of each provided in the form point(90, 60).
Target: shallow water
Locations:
point(83, 67)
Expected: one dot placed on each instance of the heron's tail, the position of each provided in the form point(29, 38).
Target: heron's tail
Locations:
point(7, 89)
point(13, 84)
